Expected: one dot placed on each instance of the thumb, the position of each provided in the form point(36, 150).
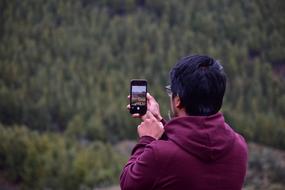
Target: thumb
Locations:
point(149, 97)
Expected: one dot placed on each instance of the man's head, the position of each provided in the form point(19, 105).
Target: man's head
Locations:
point(198, 85)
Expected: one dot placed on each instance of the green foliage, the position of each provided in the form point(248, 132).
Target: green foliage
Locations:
point(40, 161)
point(66, 65)
point(65, 68)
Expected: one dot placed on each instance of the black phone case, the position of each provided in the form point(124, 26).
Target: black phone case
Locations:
point(138, 109)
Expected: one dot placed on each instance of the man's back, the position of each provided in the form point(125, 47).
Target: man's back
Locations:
point(199, 153)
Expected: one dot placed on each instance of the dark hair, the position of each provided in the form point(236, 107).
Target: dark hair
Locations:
point(200, 82)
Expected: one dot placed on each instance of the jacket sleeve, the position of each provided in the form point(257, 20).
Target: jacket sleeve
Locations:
point(139, 172)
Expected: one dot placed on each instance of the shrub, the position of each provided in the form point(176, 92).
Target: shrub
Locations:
point(53, 161)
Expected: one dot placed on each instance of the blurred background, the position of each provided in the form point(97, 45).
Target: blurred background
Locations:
point(65, 68)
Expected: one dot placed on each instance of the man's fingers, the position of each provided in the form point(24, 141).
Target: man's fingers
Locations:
point(128, 106)
point(136, 115)
point(151, 116)
point(148, 115)
point(145, 116)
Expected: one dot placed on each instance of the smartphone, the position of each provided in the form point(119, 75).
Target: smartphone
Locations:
point(138, 100)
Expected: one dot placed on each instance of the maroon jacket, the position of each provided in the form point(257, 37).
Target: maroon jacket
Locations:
point(200, 152)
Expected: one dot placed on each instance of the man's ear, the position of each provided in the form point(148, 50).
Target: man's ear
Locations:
point(177, 102)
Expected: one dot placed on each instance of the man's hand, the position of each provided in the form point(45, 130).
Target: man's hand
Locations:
point(152, 106)
point(150, 126)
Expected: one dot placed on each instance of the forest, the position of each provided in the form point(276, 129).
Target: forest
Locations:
point(66, 66)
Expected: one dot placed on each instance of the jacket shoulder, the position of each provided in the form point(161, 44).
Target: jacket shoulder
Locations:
point(164, 149)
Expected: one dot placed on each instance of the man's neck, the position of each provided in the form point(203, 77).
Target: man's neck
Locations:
point(181, 113)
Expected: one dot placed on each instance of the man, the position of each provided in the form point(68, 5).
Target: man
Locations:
point(196, 150)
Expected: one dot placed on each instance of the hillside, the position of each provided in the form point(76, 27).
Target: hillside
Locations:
point(65, 68)
point(266, 170)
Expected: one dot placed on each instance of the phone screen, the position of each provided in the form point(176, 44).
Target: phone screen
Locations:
point(138, 99)
point(138, 95)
